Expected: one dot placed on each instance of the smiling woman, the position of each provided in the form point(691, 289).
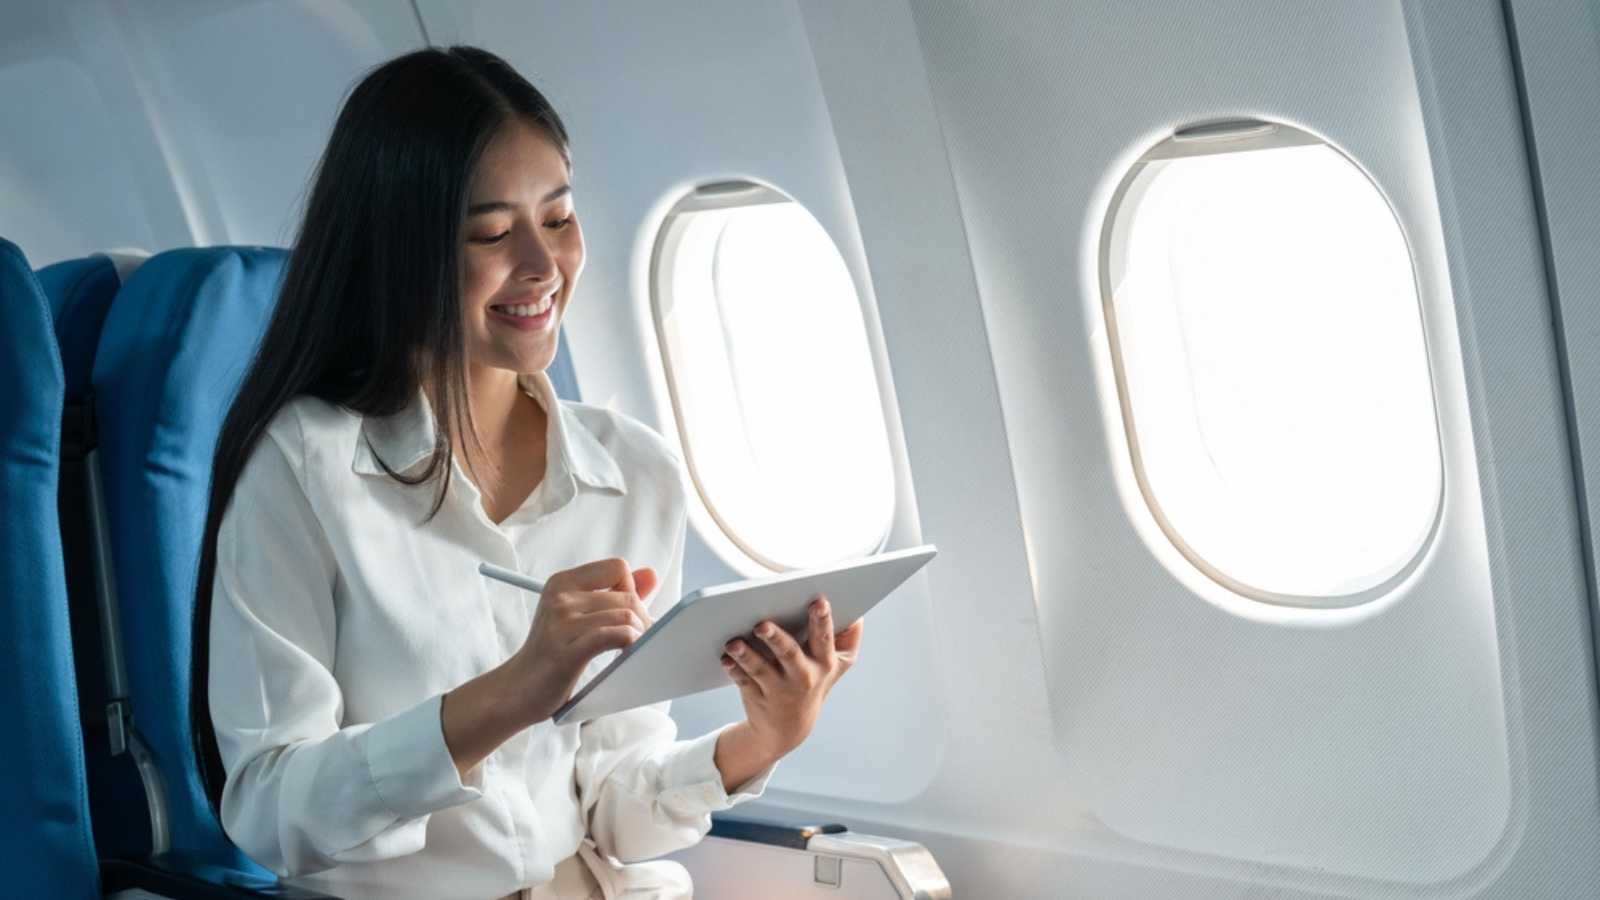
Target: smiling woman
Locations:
point(523, 255)
point(368, 723)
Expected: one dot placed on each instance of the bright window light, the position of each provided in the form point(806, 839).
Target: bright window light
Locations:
point(773, 385)
point(1268, 344)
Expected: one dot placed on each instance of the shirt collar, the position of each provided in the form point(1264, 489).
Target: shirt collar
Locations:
point(405, 439)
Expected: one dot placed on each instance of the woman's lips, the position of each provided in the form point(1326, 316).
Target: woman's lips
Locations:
point(524, 323)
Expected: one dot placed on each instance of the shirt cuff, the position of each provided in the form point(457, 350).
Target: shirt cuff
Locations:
point(410, 766)
point(691, 783)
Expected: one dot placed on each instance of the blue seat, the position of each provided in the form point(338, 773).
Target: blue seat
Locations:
point(80, 292)
point(46, 848)
point(172, 353)
point(175, 348)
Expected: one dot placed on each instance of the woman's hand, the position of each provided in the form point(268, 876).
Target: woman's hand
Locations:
point(783, 689)
point(582, 613)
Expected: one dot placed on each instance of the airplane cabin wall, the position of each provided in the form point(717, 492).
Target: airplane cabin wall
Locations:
point(1057, 706)
point(1435, 742)
point(1558, 59)
point(172, 124)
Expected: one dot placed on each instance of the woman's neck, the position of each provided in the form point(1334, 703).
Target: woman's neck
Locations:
point(494, 395)
point(503, 417)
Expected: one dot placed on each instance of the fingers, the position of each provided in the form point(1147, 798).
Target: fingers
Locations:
point(625, 615)
point(644, 581)
point(600, 575)
point(595, 641)
point(752, 665)
point(790, 658)
point(626, 584)
point(598, 601)
point(848, 641)
point(743, 680)
point(821, 638)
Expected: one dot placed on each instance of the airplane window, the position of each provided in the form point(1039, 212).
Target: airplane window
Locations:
point(1270, 361)
point(772, 383)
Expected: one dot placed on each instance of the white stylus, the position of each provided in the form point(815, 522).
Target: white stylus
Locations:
point(510, 577)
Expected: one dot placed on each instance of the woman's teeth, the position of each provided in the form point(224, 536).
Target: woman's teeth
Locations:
point(527, 309)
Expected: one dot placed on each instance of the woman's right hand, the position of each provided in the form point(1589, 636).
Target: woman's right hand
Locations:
point(582, 613)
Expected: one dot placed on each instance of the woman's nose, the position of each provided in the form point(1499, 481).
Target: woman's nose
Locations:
point(535, 260)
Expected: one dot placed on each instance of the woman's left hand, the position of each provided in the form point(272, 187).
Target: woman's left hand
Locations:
point(783, 689)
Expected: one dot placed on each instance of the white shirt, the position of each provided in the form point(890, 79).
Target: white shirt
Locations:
point(338, 622)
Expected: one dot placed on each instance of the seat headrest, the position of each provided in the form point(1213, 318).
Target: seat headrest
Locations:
point(29, 362)
point(80, 293)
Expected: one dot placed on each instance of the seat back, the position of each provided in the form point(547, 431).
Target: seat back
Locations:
point(46, 848)
point(175, 348)
point(80, 292)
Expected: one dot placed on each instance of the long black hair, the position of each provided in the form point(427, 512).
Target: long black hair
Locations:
point(369, 309)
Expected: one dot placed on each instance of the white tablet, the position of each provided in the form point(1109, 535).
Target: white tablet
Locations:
point(681, 654)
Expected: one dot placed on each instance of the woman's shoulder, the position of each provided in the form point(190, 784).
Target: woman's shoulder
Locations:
point(309, 431)
point(632, 444)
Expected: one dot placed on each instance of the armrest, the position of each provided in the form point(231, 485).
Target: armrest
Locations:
point(181, 879)
point(801, 859)
point(909, 866)
point(768, 831)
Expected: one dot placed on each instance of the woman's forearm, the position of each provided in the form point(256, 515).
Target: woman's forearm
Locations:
point(741, 756)
point(482, 714)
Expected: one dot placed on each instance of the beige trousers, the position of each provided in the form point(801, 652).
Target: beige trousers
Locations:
point(572, 881)
point(575, 879)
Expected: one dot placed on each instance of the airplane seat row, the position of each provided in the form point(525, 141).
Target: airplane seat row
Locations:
point(118, 390)
point(125, 368)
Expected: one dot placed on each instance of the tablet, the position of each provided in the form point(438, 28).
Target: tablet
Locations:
point(681, 653)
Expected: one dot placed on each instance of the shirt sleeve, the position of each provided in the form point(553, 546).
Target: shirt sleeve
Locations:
point(304, 794)
point(643, 793)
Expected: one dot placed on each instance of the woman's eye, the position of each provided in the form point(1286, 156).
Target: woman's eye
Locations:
point(491, 239)
point(561, 223)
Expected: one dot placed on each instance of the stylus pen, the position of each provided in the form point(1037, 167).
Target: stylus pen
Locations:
point(510, 577)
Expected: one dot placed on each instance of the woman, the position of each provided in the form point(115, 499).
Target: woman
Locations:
point(372, 716)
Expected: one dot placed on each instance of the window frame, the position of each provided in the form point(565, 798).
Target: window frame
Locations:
point(1234, 136)
point(738, 194)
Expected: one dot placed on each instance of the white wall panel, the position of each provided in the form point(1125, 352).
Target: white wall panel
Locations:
point(1202, 743)
point(61, 190)
point(1306, 739)
point(167, 124)
point(1558, 44)
point(80, 168)
point(247, 91)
